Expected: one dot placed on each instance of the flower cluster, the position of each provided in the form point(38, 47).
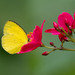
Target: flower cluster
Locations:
point(64, 29)
point(66, 22)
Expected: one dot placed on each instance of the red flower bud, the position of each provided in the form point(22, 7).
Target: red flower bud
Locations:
point(51, 43)
point(45, 53)
point(55, 25)
point(62, 37)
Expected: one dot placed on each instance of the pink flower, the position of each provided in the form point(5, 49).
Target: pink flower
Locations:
point(35, 40)
point(65, 21)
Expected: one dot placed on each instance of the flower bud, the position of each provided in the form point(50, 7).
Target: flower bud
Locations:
point(51, 43)
point(63, 38)
point(45, 53)
point(55, 25)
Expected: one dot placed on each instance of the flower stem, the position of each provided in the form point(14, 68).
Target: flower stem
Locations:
point(66, 49)
point(51, 51)
point(72, 39)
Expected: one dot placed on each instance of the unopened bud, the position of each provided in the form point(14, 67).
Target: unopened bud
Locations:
point(55, 25)
point(45, 53)
point(51, 43)
point(62, 37)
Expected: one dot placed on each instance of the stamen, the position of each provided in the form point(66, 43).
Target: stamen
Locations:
point(28, 35)
point(30, 32)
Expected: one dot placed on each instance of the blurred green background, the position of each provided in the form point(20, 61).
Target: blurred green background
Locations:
point(29, 13)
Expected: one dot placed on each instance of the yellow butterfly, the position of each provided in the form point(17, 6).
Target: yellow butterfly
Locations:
point(14, 37)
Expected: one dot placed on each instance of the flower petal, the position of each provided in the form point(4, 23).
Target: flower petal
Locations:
point(37, 34)
point(74, 21)
point(73, 24)
point(53, 31)
point(61, 20)
point(29, 47)
point(42, 25)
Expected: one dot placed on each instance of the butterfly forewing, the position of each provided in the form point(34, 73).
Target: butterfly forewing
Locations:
point(14, 37)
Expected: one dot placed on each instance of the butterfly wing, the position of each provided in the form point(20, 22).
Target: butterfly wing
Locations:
point(14, 37)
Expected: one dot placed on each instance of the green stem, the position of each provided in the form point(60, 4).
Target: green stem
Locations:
point(67, 49)
point(60, 32)
point(49, 47)
point(73, 31)
point(51, 51)
point(72, 39)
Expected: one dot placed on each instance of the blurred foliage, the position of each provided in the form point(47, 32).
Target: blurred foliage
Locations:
point(29, 13)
